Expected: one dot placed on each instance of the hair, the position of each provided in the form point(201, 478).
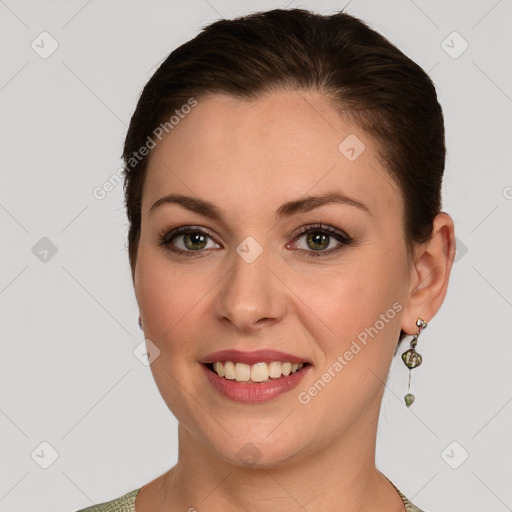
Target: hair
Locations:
point(364, 76)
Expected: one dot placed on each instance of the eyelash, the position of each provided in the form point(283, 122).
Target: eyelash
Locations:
point(165, 238)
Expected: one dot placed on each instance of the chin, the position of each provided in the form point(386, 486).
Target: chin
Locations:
point(257, 449)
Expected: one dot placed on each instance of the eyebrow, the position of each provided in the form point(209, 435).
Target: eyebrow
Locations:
point(305, 204)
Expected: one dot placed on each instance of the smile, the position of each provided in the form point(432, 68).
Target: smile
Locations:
point(259, 372)
point(248, 390)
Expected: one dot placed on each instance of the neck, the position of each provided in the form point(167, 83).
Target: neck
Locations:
point(340, 476)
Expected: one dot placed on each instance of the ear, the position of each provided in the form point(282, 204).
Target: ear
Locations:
point(430, 274)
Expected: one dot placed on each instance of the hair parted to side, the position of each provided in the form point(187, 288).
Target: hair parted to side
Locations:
point(365, 77)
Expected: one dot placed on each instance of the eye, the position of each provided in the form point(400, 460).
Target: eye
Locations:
point(319, 238)
point(187, 239)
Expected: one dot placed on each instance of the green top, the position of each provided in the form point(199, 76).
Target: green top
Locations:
point(126, 503)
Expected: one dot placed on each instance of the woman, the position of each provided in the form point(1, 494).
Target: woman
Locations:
point(283, 186)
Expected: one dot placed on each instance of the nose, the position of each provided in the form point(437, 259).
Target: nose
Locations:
point(250, 295)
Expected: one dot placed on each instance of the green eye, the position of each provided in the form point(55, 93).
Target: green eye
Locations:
point(192, 239)
point(318, 239)
point(185, 239)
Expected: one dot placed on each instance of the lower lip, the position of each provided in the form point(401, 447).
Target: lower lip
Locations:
point(255, 392)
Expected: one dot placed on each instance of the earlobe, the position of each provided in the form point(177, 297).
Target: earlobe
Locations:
point(430, 274)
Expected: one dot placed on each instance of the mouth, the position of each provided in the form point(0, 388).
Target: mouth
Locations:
point(254, 377)
point(255, 373)
point(255, 383)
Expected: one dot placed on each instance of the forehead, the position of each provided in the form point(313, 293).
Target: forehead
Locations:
point(259, 152)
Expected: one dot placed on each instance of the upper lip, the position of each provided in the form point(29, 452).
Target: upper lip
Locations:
point(257, 356)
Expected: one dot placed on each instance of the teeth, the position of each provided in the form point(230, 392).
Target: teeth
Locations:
point(274, 369)
point(229, 370)
point(219, 369)
point(242, 372)
point(259, 372)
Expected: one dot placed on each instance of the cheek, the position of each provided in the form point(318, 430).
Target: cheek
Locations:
point(172, 298)
point(360, 301)
point(161, 293)
point(170, 302)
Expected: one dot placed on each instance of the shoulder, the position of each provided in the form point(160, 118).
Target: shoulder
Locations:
point(125, 503)
point(409, 506)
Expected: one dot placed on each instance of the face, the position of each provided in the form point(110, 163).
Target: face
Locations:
point(320, 283)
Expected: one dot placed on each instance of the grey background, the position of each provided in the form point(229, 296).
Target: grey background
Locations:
point(69, 377)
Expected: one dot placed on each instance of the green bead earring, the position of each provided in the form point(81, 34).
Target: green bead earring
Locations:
point(412, 359)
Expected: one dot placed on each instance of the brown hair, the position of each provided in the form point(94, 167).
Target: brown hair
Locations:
point(364, 75)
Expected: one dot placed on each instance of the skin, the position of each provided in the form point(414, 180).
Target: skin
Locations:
point(248, 158)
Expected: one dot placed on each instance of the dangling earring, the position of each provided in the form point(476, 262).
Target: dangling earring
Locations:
point(412, 359)
point(140, 323)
